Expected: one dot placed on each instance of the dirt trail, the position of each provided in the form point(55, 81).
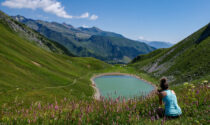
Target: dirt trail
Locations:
point(74, 82)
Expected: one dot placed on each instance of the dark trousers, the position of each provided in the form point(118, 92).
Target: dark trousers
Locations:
point(161, 114)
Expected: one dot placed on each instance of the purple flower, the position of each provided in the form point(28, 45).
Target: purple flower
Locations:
point(134, 107)
point(157, 116)
point(127, 108)
point(123, 100)
point(27, 111)
point(149, 113)
point(39, 106)
point(56, 107)
point(152, 118)
point(162, 122)
point(65, 99)
point(51, 106)
point(29, 121)
point(53, 115)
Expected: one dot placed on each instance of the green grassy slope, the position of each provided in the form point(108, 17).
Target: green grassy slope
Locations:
point(31, 72)
point(32, 36)
point(185, 61)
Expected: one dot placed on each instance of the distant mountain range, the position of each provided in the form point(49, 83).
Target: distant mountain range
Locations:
point(159, 44)
point(89, 42)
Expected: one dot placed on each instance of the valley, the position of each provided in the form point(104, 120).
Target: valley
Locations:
point(89, 42)
point(44, 81)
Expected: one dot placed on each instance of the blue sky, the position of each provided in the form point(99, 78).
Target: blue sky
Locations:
point(159, 20)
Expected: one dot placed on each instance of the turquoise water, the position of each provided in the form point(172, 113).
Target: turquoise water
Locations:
point(122, 85)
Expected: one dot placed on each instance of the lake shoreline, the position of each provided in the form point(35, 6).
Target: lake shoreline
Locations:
point(97, 94)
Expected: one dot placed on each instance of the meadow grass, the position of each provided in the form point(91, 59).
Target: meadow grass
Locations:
point(141, 110)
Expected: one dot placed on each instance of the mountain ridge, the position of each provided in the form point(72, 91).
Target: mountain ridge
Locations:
point(185, 61)
point(159, 44)
point(79, 41)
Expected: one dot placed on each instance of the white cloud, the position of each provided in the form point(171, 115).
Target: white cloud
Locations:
point(85, 26)
point(82, 16)
point(93, 17)
point(49, 6)
point(141, 38)
point(85, 15)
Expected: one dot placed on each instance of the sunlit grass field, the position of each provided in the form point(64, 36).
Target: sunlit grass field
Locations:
point(42, 87)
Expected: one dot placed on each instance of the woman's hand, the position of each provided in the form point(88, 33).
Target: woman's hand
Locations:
point(159, 90)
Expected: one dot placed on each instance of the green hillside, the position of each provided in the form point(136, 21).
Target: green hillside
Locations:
point(41, 82)
point(33, 70)
point(89, 42)
point(186, 61)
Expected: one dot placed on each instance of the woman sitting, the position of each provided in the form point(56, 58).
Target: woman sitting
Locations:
point(172, 109)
